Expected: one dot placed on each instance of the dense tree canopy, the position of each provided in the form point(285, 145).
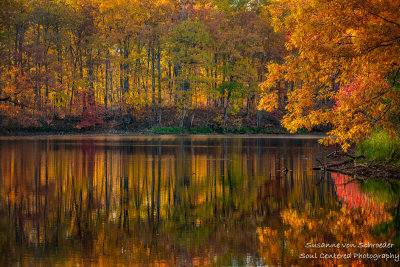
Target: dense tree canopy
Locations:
point(342, 67)
point(90, 60)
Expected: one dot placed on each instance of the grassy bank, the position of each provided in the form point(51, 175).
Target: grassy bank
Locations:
point(377, 157)
point(380, 147)
point(33, 131)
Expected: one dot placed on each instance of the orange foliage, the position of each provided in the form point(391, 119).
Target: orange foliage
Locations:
point(334, 46)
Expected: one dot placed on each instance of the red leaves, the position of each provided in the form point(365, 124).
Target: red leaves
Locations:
point(90, 118)
point(346, 92)
point(92, 112)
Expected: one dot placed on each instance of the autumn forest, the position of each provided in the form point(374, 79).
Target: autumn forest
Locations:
point(88, 89)
point(134, 64)
point(211, 64)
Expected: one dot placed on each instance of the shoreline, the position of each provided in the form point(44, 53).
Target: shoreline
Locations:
point(272, 132)
point(22, 135)
point(361, 169)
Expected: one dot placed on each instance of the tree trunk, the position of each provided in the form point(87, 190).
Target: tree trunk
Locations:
point(106, 84)
point(159, 81)
point(126, 65)
point(153, 81)
point(90, 76)
point(227, 107)
point(59, 55)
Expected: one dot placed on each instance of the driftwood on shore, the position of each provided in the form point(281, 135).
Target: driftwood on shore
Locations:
point(364, 169)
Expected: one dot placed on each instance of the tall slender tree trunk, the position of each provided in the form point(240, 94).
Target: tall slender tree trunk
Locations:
point(121, 82)
point(126, 65)
point(153, 81)
point(228, 98)
point(170, 82)
point(138, 66)
point(59, 55)
point(215, 76)
point(106, 82)
point(90, 76)
point(148, 70)
point(159, 81)
point(37, 66)
point(74, 59)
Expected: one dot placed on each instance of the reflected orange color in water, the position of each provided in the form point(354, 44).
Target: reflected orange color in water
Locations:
point(351, 225)
point(188, 201)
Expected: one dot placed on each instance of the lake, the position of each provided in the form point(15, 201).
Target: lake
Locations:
point(188, 201)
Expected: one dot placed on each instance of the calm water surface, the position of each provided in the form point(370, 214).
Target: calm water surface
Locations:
point(187, 201)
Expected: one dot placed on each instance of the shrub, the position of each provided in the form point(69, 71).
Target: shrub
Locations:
point(202, 130)
point(161, 130)
point(380, 146)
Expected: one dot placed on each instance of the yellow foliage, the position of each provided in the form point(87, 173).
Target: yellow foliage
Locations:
point(342, 56)
point(313, 226)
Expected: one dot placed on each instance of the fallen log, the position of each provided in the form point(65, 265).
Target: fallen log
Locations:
point(325, 167)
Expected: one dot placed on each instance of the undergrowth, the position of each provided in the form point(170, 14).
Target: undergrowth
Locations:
point(380, 146)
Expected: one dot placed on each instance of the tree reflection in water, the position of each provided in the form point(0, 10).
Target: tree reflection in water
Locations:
point(367, 216)
point(165, 200)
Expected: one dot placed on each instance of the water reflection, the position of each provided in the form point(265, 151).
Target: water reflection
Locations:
point(363, 231)
point(163, 200)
